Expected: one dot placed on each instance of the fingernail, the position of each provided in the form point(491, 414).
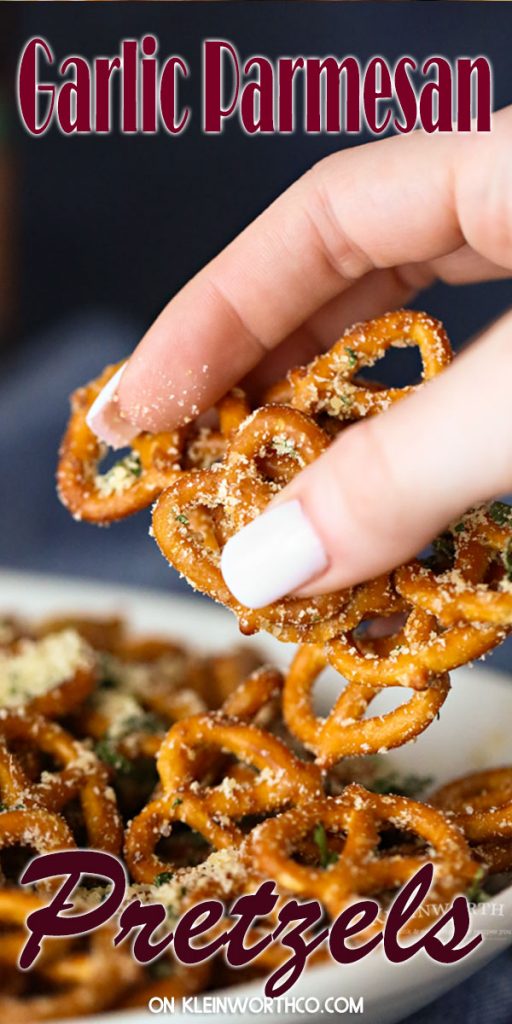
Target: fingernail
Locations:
point(272, 556)
point(105, 419)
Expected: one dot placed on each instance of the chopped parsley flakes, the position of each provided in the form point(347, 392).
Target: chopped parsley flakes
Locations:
point(163, 878)
point(106, 751)
point(408, 785)
point(475, 893)
point(121, 476)
point(501, 513)
point(327, 856)
point(160, 969)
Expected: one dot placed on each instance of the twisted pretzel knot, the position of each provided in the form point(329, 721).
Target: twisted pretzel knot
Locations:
point(213, 810)
point(475, 585)
point(153, 682)
point(81, 775)
point(413, 656)
point(67, 979)
point(39, 829)
point(495, 854)
point(481, 804)
point(359, 868)
point(345, 731)
point(15, 906)
point(153, 463)
point(193, 519)
point(105, 634)
point(330, 385)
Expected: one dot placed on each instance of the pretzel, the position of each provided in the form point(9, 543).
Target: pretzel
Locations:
point(213, 810)
point(329, 383)
point(153, 682)
point(253, 694)
point(82, 775)
point(219, 771)
point(141, 734)
point(360, 868)
point(50, 676)
point(37, 829)
point(173, 673)
point(74, 981)
point(137, 479)
point(226, 672)
point(103, 634)
point(229, 496)
point(134, 483)
point(476, 585)
point(185, 547)
point(11, 630)
point(418, 652)
point(15, 906)
point(345, 732)
point(481, 804)
point(496, 855)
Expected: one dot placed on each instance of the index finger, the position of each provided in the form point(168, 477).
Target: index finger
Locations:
point(406, 199)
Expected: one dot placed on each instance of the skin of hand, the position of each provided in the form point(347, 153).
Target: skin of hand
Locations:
point(359, 234)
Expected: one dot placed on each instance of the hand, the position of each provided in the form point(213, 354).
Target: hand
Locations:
point(357, 235)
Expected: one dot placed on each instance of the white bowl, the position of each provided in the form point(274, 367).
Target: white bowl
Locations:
point(472, 733)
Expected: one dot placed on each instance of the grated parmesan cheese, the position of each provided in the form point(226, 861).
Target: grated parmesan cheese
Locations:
point(38, 666)
point(120, 478)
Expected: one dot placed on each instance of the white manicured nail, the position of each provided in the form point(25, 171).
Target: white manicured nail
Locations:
point(104, 418)
point(272, 556)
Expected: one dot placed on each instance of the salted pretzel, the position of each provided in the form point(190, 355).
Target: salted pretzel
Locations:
point(496, 855)
point(253, 694)
point(133, 484)
point(261, 453)
point(128, 727)
point(169, 671)
point(51, 675)
point(103, 634)
point(154, 682)
point(420, 650)
point(11, 630)
point(81, 775)
point(345, 731)
point(225, 672)
point(476, 583)
point(70, 979)
point(481, 804)
point(220, 772)
point(136, 480)
point(227, 497)
point(360, 868)
point(186, 548)
point(329, 384)
point(280, 779)
point(38, 829)
point(15, 906)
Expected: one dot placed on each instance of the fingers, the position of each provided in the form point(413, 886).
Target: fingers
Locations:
point(406, 200)
point(376, 293)
point(386, 486)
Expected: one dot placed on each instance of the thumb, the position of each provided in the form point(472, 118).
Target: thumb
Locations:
point(387, 485)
